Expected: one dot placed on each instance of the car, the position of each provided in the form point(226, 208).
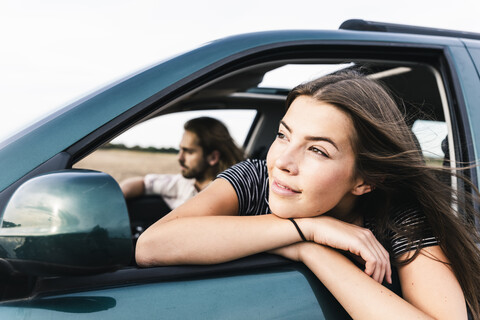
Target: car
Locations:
point(67, 234)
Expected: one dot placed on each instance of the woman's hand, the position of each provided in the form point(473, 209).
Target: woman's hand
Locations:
point(348, 237)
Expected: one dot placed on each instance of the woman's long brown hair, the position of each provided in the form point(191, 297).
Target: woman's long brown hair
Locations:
point(387, 157)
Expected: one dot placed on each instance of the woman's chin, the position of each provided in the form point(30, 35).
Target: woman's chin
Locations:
point(281, 215)
point(286, 212)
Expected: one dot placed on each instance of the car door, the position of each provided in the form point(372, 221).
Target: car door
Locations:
point(275, 290)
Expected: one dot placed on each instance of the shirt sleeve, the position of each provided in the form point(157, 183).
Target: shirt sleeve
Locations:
point(411, 218)
point(250, 182)
point(160, 184)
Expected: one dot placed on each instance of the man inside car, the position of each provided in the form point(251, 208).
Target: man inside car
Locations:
point(206, 149)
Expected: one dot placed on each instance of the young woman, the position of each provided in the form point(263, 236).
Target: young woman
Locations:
point(345, 176)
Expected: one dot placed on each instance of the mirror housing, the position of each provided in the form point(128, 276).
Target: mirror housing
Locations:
point(63, 223)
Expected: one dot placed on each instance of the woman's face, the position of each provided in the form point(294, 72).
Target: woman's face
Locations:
point(311, 162)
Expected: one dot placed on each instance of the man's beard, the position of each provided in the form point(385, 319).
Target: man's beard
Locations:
point(197, 172)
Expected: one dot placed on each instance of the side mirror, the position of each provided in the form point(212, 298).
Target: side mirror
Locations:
point(65, 222)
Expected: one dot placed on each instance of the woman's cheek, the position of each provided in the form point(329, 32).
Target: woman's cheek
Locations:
point(271, 155)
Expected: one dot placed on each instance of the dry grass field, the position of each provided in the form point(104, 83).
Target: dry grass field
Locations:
point(122, 164)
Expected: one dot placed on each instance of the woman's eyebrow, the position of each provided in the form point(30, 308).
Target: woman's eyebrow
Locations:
point(285, 125)
point(311, 138)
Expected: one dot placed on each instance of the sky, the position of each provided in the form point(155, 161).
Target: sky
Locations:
point(53, 52)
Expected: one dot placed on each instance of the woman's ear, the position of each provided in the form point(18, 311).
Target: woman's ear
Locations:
point(361, 187)
point(213, 158)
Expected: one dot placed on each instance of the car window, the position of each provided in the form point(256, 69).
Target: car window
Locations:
point(290, 75)
point(152, 146)
point(251, 102)
point(430, 135)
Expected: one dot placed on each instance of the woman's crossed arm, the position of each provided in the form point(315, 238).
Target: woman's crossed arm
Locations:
point(207, 230)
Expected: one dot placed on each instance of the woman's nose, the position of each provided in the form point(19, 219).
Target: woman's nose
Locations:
point(287, 160)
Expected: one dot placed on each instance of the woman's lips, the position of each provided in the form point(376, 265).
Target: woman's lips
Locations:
point(282, 189)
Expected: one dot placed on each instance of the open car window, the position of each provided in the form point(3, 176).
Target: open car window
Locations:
point(251, 102)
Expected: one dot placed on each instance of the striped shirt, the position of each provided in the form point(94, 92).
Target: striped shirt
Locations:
point(250, 181)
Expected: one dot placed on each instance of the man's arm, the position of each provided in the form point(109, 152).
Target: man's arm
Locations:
point(132, 187)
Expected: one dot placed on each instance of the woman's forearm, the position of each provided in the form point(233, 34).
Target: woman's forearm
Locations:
point(359, 294)
point(212, 239)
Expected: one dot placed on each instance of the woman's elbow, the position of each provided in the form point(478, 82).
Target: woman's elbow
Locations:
point(142, 252)
point(148, 253)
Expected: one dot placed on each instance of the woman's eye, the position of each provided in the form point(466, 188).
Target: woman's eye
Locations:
point(280, 135)
point(318, 151)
